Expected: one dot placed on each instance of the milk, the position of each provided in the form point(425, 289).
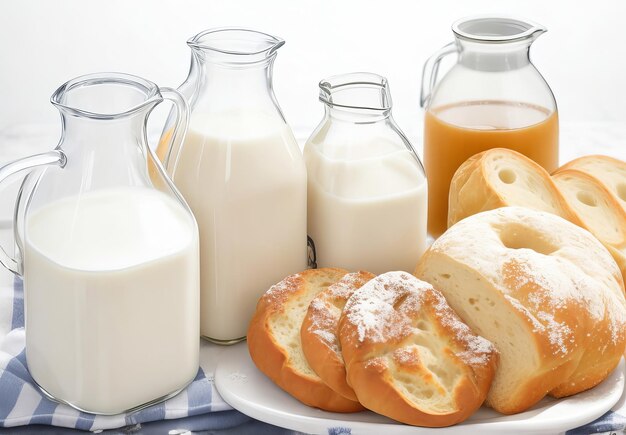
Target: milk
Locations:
point(367, 212)
point(112, 289)
point(243, 175)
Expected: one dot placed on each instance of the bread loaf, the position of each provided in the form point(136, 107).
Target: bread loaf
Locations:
point(319, 335)
point(409, 357)
point(501, 177)
point(598, 210)
point(607, 170)
point(543, 290)
point(274, 339)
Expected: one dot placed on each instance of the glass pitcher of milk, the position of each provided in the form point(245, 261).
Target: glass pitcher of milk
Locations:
point(109, 253)
point(367, 192)
point(242, 173)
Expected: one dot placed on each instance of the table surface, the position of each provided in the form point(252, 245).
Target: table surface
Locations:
point(17, 141)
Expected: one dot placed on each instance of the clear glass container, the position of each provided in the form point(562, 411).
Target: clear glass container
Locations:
point(241, 171)
point(109, 253)
point(492, 97)
point(367, 191)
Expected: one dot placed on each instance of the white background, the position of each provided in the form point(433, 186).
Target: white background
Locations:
point(43, 43)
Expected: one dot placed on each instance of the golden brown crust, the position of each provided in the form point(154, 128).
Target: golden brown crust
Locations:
point(576, 162)
point(319, 333)
point(409, 357)
point(380, 396)
point(457, 186)
point(600, 357)
point(273, 359)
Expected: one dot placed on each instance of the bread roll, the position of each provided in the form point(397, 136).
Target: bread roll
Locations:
point(501, 177)
point(274, 339)
point(319, 335)
point(598, 210)
point(609, 171)
point(409, 357)
point(543, 290)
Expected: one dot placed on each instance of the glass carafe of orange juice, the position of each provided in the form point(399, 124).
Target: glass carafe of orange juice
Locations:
point(492, 97)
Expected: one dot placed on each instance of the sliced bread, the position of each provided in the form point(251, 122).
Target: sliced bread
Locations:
point(409, 357)
point(274, 339)
point(500, 177)
point(544, 291)
point(609, 171)
point(598, 210)
point(319, 333)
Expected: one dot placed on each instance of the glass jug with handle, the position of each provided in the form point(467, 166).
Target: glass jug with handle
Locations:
point(108, 250)
point(243, 175)
point(492, 97)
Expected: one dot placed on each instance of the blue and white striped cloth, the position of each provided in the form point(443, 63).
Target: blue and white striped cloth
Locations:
point(198, 407)
point(21, 403)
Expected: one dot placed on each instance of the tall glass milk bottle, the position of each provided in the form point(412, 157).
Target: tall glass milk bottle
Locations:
point(243, 175)
point(367, 192)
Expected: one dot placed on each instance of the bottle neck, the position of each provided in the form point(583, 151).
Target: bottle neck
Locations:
point(219, 86)
point(356, 115)
point(492, 57)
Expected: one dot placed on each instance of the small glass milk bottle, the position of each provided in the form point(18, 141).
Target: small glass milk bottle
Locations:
point(367, 192)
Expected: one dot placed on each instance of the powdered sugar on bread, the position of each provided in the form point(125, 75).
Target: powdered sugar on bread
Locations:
point(384, 309)
point(478, 350)
point(408, 355)
point(320, 341)
point(326, 307)
point(543, 290)
point(373, 312)
point(572, 264)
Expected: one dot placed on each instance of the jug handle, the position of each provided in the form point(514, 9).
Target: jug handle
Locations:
point(431, 68)
point(180, 127)
point(55, 157)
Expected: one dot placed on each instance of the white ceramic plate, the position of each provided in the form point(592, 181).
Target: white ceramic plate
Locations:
point(248, 390)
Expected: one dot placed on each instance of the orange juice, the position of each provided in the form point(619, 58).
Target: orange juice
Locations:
point(161, 152)
point(164, 145)
point(453, 133)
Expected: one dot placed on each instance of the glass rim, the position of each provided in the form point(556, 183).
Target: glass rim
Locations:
point(200, 41)
point(525, 28)
point(149, 89)
point(355, 80)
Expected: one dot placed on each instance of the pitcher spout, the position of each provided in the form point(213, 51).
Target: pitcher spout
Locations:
point(236, 45)
point(537, 31)
point(106, 96)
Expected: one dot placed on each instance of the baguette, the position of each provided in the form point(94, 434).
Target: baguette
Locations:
point(598, 210)
point(609, 171)
point(500, 177)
